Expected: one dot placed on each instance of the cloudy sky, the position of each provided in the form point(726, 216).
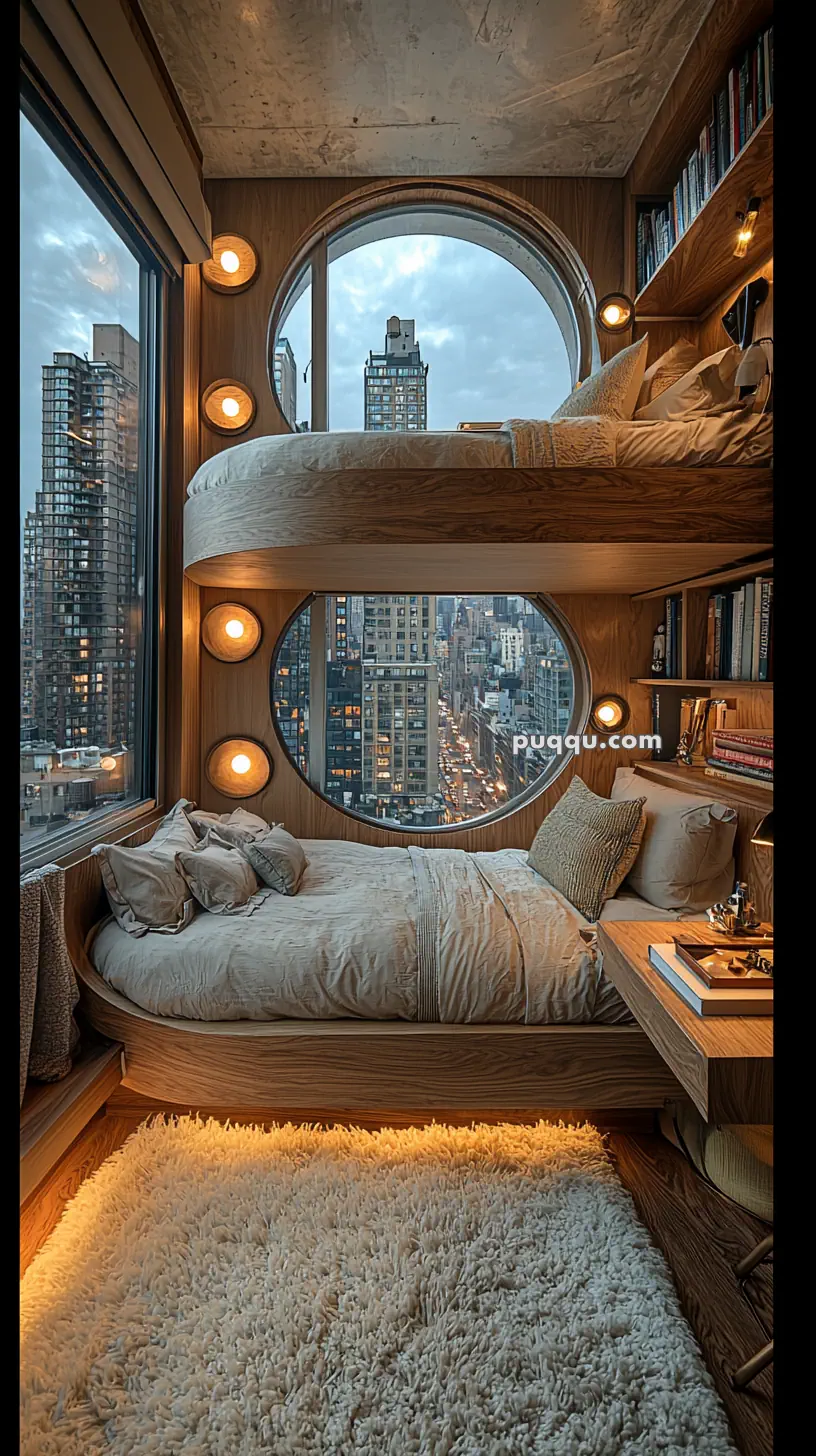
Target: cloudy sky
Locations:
point(75, 272)
point(491, 343)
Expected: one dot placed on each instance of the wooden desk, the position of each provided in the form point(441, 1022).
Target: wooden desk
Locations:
point(725, 1063)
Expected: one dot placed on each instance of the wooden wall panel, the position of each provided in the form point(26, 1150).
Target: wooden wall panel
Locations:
point(274, 213)
point(616, 635)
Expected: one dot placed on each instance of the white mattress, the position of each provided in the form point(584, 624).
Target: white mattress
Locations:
point(382, 934)
point(736, 438)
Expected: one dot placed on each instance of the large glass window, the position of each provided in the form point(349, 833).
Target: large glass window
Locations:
point(405, 708)
point(431, 317)
point(89, 310)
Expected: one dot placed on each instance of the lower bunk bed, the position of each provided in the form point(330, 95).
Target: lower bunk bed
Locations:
point(395, 978)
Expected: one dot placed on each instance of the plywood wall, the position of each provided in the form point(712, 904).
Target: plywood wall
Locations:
point(616, 634)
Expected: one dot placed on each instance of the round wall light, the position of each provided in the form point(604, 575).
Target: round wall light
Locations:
point(615, 313)
point(230, 632)
point(233, 265)
point(228, 407)
point(609, 713)
point(238, 767)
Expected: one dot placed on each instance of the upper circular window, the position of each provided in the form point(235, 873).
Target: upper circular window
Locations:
point(407, 710)
point(483, 310)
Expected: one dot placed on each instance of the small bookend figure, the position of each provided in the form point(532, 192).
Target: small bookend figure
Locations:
point(659, 652)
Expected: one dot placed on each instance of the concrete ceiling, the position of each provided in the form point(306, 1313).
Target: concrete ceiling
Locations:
point(358, 88)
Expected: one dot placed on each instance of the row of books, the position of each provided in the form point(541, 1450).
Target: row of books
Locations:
point(739, 633)
point(736, 111)
point(740, 754)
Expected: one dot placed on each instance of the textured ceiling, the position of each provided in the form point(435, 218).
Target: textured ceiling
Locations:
point(336, 88)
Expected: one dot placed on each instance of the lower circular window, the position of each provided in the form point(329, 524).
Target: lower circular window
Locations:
point(422, 711)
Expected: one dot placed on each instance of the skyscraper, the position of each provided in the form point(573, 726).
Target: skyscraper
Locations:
point(396, 382)
point(400, 707)
point(80, 598)
point(285, 370)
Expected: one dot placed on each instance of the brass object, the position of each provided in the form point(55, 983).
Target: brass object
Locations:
point(694, 714)
point(736, 916)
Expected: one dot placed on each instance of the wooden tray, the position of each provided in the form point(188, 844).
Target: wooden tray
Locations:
point(692, 952)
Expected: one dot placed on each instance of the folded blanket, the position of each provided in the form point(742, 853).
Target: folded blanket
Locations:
point(48, 988)
point(589, 440)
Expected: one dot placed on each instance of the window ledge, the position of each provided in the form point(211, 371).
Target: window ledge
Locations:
point(66, 848)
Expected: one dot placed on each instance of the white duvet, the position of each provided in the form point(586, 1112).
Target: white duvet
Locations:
point(382, 934)
point(736, 438)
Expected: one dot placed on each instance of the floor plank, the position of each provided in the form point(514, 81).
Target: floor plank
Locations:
point(703, 1235)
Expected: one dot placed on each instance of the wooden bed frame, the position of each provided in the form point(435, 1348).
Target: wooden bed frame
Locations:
point(348, 1065)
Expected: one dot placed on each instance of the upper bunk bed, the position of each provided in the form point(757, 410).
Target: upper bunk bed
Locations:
point(653, 502)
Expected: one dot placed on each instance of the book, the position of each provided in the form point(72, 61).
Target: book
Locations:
point(741, 770)
point(756, 740)
point(737, 778)
point(754, 673)
point(765, 584)
point(708, 670)
point(741, 755)
point(707, 1000)
point(747, 631)
point(738, 609)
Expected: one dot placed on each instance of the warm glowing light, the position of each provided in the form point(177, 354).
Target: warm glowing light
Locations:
point(230, 406)
point(229, 260)
point(608, 713)
point(108, 764)
point(613, 314)
point(241, 764)
point(234, 628)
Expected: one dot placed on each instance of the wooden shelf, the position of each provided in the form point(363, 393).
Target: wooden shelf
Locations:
point(701, 267)
point(696, 781)
point(699, 682)
point(736, 572)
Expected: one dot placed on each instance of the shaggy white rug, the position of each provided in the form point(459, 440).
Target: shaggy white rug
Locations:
point(229, 1291)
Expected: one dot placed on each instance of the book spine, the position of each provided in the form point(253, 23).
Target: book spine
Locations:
point(725, 641)
point(736, 755)
point(770, 68)
point(741, 770)
point(765, 629)
point(678, 636)
point(718, 601)
point(755, 632)
point(737, 738)
point(747, 631)
point(734, 81)
point(723, 156)
point(743, 102)
point(736, 634)
point(709, 650)
point(759, 61)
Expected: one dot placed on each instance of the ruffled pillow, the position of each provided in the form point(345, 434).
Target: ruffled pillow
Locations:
point(613, 391)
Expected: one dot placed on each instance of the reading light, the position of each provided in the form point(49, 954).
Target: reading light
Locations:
point(609, 713)
point(233, 265)
point(230, 632)
point(228, 407)
point(747, 223)
point(764, 832)
point(238, 768)
point(615, 313)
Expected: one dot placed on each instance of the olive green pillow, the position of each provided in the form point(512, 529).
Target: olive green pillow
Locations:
point(587, 845)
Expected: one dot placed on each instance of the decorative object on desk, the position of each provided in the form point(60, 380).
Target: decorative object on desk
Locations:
point(694, 714)
point(738, 322)
point(615, 313)
point(708, 1000)
point(734, 963)
point(747, 223)
point(659, 651)
point(764, 832)
point(736, 917)
point(609, 714)
point(231, 632)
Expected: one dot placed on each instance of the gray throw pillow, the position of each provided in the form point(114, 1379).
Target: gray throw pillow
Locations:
point(587, 845)
point(686, 860)
point(220, 878)
point(278, 859)
point(144, 888)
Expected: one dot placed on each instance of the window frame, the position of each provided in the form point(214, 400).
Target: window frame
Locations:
point(579, 717)
point(69, 842)
point(481, 204)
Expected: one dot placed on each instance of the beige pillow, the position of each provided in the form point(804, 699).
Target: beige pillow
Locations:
point(613, 391)
point(277, 859)
point(708, 385)
point(686, 860)
point(219, 877)
point(666, 370)
point(587, 845)
point(235, 827)
point(144, 888)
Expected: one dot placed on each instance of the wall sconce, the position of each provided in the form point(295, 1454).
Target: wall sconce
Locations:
point(609, 713)
point(747, 223)
point(233, 265)
point(230, 632)
point(228, 407)
point(238, 767)
point(615, 313)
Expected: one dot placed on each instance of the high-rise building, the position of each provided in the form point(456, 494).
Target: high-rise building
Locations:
point(553, 691)
point(79, 570)
point(512, 648)
point(344, 698)
point(285, 370)
point(400, 708)
point(396, 382)
point(291, 692)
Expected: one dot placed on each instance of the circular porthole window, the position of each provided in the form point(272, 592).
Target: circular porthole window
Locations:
point(408, 710)
point(436, 308)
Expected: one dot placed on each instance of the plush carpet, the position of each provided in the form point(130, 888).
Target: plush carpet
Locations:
point(487, 1291)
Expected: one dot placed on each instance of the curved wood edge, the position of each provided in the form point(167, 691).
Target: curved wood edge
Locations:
point(410, 507)
point(365, 1064)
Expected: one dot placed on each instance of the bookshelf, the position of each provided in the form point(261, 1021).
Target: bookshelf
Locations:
point(701, 267)
point(694, 594)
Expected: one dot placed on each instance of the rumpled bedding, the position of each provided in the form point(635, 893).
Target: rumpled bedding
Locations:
point(737, 438)
point(382, 934)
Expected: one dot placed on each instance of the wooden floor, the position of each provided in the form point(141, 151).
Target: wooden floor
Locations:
point(701, 1233)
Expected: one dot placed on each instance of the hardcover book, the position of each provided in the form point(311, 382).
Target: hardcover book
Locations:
point(705, 1000)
